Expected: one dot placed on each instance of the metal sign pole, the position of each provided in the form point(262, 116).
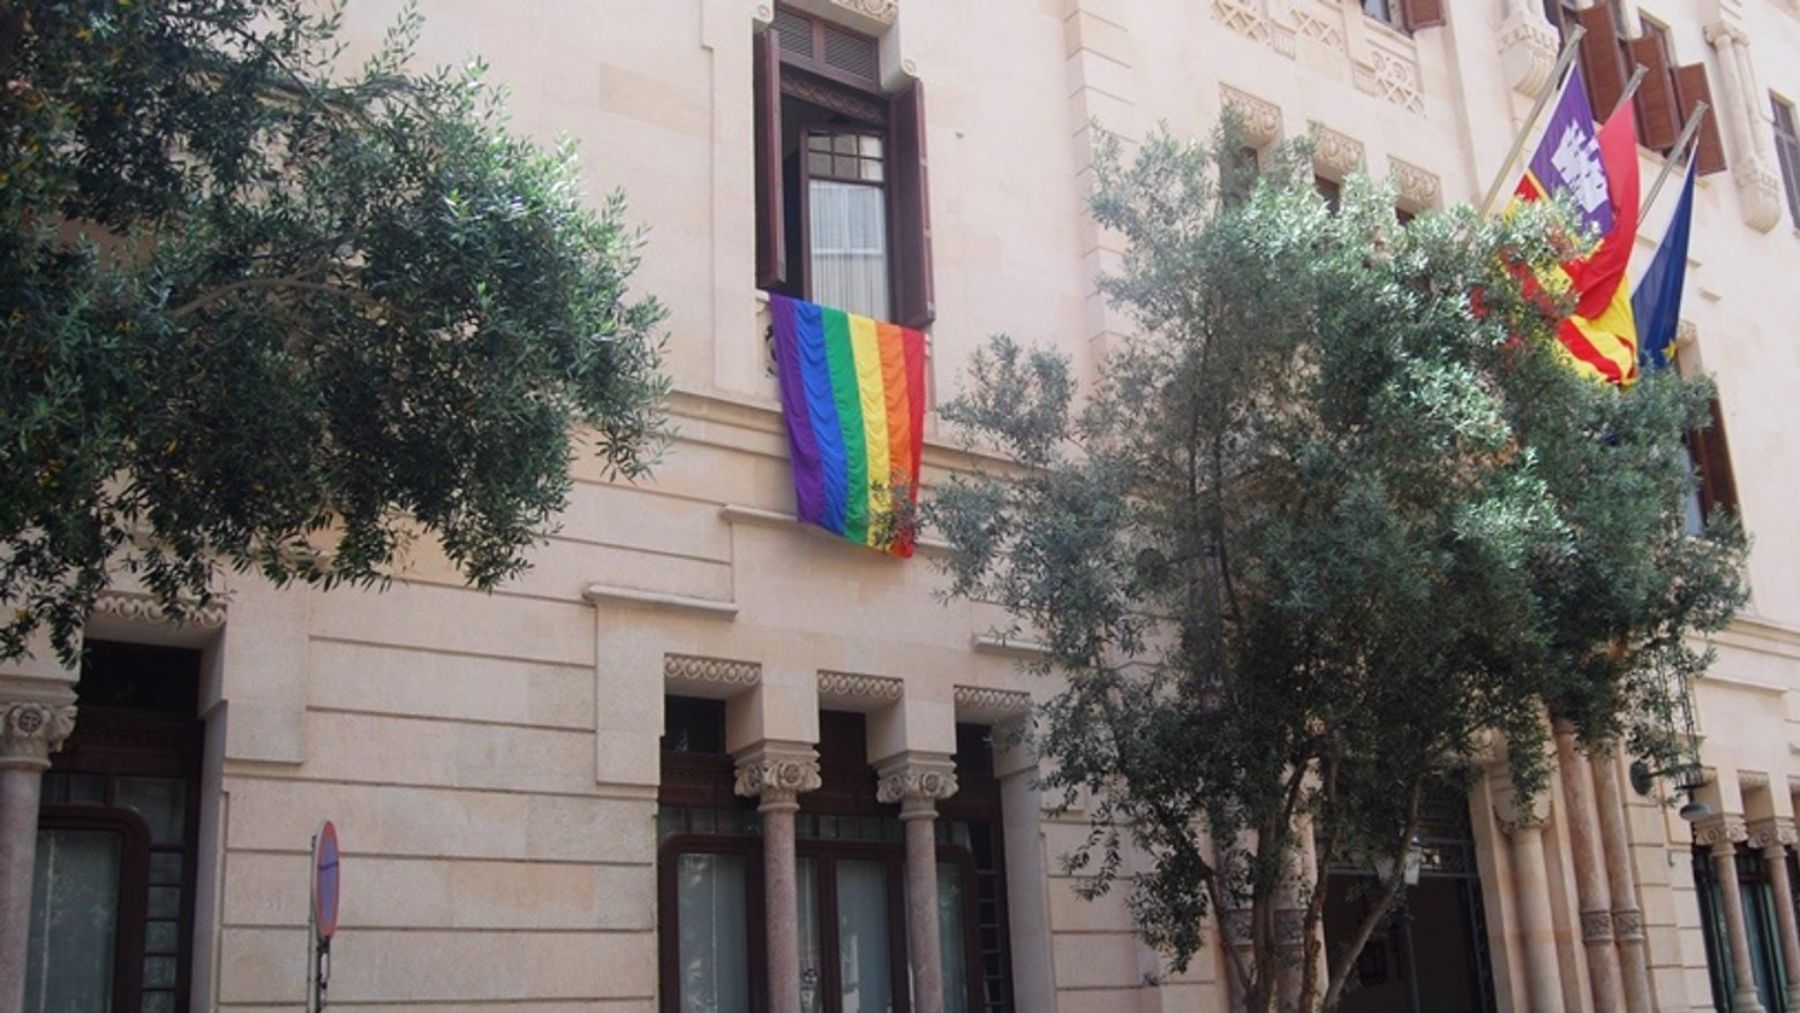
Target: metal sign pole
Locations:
point(312, 931)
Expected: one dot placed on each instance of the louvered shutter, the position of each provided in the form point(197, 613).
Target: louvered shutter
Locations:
point(771, 227)
point(1658, 126)
point(1424, 13)
point(1691, 89)
point(1718, 487)
point(915, 304)
point(1602, 65)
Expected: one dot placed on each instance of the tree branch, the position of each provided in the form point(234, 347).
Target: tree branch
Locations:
point(291, 281)
point(1341, 974)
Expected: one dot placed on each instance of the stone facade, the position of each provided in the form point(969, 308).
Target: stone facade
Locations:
point(491, 760)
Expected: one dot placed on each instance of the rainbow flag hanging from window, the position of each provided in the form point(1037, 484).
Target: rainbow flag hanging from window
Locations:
point(853, 392)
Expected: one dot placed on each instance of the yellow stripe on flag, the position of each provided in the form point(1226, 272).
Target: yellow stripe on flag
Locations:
point(866, 345)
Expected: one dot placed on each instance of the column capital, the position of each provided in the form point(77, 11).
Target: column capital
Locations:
point(918, 781)
point(1775, 833)
point(30, 730)
point(1721, 833)
point(1515, 814)
point(777, 773)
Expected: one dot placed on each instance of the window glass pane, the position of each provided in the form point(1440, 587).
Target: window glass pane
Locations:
point(165, 868)
point(74, 917)
point(161, 801)
point(159, 972)
point(160, 937)
point(846, 167)
point(818, 142)
point(844, 144)
point(818, 164)
point(849, 247)
point(871, 171)
point(159, 1002)
point(165, 902)
point(862, 913)
point(812, 954)
point(952, 937)
point(713, 946)
point(871, 146)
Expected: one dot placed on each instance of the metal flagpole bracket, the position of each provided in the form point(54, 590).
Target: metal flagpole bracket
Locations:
point(1571, 46)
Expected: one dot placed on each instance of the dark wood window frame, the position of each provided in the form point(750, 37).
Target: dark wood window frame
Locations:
point(1711, 455)
point(807, 78)
point(134, 889)
point(1406, 15)
point(1787, 151)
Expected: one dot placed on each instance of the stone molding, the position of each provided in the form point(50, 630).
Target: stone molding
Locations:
point(1759, 192)
point(710, 671)
point(1776, 832)
point(777, 775)
point(1628, 925)
point(1335, 155)
point(856, 686)
point(30, 731)
point(883, 11)
point(142, 608)
point(1262, 118)
point(988, 700)
point(917, 781)
point(1391, 77)
point(1418, 188)
point(1596, 927)
point(1528, 47)
point(1721, 833)
point(1752, 780)
point(1242, 17)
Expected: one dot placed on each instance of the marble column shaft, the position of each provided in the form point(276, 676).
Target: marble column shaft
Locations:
point(777, 775)
point(1531, 892)
point(1593, 892)
point(29, 733)
point(1773, 838)
point(1722, 835)
point(918, 783)
point(1627, 917)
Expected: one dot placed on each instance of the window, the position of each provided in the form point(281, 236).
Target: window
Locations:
point(1716, 488)
point(1787, 150)
point(1331, 190)
point(1658, 125)
point(842, 199)
point(1406, 15)
point(1760, 933)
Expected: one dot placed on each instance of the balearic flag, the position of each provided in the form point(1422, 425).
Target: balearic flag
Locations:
point(1600, 175)
point(853, 394)
point(1657, 301)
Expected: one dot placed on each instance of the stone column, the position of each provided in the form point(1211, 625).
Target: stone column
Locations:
point(1722, 834)
point(1593, 892)
point(1773, 837)
point(1627, 918)
point(776, 773)
point(1524, 828)
point(29, 732)
point(918, 781)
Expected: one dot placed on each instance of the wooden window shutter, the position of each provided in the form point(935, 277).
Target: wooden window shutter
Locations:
point(915, 304)
point(771, 227)
point(1602, 65)
point(1691, 89)
point(1658, 126)
point(1424, 13)
point(1712, 457)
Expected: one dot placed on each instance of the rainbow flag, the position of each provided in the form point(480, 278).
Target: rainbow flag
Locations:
point(1600, 174)
point(853, 393)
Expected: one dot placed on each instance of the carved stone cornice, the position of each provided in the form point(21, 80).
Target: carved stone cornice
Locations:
point(777, 775)
point(1528, 47)
point(1721, 833)
point(918, 781)
point(986, 701)
point(30, 731)
point(1335, 155)
point(858, 687)
point(143, 608)
point(1419, 189)
point(1775, 833)
point(1759, 192)
point(710, 671)
point(1262, 118)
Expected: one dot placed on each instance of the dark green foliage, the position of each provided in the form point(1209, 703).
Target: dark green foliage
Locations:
point(255, 304)
point(1319, 534)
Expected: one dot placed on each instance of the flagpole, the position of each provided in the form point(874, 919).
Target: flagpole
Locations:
point(1679, 153)
point(1631, 87)
point(1563, 59)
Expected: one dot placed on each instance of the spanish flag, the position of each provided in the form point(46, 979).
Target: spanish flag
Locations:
point(1600, 174)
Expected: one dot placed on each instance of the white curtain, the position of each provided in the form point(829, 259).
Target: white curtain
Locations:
point(862, 911)
point(951, 939)
point(849, 247)
point(709, 910)
point(74, 917)
point(812, 958)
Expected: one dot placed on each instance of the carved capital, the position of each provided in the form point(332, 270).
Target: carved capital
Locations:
point(1723, 35)
point(1596, 927)
point(1516, 815)
point(1721, 833)
point(30, 731)
point(1628, 925)
point(777, 775)
point(1262, 118)
point(1528, 48)
point(917, 781)
point(1774, 834)
point(1759, 192)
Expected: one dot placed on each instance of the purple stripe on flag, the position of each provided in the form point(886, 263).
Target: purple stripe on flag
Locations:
point(803, 445)
point(1567, 160)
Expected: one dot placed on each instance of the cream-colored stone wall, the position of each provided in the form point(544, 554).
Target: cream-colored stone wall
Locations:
point(490, 759)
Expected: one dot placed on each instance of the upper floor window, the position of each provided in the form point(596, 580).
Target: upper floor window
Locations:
point(1406, 15)
point(843, 208)
point(1787, 151)
point(1716, 488)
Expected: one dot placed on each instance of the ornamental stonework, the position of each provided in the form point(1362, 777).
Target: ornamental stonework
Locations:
point(1262, 118)
point(913, 782)
point(1628, 925)
point(1596, 926)
point(1335, 155)
point(988, 700)
point(777, 777)
point(1776, 832)
point(853, 686)
point(710, 671)
point(1720, 832)
point(143, 608)
point(30, 731)
point(1419, 189)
